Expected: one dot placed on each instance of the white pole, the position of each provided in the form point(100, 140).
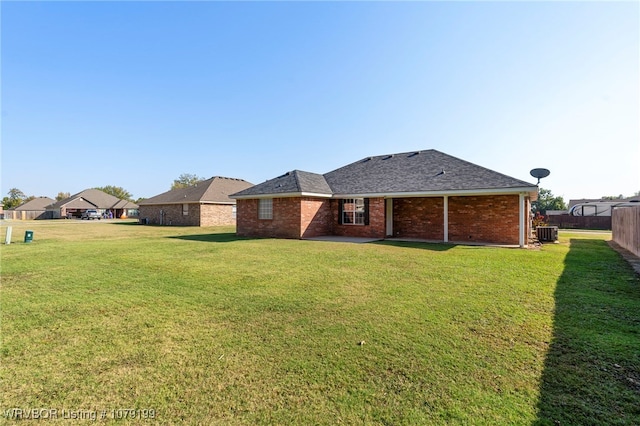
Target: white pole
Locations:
point(446, 218)
point(389, 213)
point(7, 240)
point(522, 215)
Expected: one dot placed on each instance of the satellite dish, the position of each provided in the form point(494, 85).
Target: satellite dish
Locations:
point(539, 173)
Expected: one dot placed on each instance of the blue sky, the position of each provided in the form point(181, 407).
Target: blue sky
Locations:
point(133, 94)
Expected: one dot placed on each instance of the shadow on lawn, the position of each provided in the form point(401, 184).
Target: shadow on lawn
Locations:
point(125, 222)
point(211, 238)
point(592, 370)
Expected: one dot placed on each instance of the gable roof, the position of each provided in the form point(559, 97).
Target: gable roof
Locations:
point(214, 190)
point(427, 172)
point(295, 182)
point(124, 204)
point(91, 199)
point(39, 203)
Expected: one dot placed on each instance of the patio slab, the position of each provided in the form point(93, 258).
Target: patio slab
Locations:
point(337, 239)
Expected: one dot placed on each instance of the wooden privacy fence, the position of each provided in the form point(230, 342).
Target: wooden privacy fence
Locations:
point(626, 228)
point(580, 222)
point(26, 214)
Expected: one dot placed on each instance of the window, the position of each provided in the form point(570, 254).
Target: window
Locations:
point(354, 211)
point(185, 209)
point(265, 208)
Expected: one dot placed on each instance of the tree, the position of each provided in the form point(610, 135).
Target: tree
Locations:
point(613, 197)
point(547, 201)
point(117, 191)
point(62, 196)
point(185, 180)
point(14, 199)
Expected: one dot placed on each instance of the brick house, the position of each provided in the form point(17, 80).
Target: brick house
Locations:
point(205, 204)
point(425, 195)
point(106, 204)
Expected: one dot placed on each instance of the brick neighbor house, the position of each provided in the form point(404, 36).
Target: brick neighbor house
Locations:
point(75, 205)
point(205, 204)
point(425, 195)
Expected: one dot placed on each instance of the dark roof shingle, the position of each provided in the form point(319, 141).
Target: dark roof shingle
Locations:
point(418, 171)
point(214, 190)
point(408, 172)
point(293, 182)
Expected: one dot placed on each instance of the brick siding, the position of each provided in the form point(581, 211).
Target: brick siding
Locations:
point(198, 214)
point(485, 219)
point(478, 219)
point(419, 218)
point(285, 222)
point(292, 218)
point(315, 217)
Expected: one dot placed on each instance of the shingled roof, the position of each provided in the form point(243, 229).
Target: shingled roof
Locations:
point(295, 182)
point(40, 203)
point(91, 199)
point(416, 172)
point(215, 190)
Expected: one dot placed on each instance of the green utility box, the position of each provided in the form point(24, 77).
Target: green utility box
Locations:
point(28, 236)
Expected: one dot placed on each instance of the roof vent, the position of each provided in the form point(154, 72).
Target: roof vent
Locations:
point(388, 156)
point(366, 159)
point(413, 154)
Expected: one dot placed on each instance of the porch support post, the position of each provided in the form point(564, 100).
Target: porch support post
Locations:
point(446, 218)
point(522, 213)
point(389, 214)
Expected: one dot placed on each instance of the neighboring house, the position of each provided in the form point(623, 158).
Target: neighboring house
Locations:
point(206, 203)
point(106, 204)
point(425, 195)
point(33, 209)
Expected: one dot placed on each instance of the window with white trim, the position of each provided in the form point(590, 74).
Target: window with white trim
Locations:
point(265, 208)
point(353, 211)
point(185, 209)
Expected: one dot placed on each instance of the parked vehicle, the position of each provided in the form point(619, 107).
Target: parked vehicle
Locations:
point(599, 208)
point(91, 214)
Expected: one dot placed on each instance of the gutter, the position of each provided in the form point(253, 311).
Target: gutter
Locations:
point(188, 202)
point(532, 191)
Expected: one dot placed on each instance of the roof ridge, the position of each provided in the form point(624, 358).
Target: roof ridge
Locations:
point(227, 178)
point(295, 176)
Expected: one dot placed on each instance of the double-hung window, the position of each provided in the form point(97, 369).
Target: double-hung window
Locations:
point(265, 208)
point(354, 211)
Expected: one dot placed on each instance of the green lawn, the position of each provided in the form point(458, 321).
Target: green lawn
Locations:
point(206, 328)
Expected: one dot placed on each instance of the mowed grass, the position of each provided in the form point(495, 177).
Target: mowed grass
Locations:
point(206, 328)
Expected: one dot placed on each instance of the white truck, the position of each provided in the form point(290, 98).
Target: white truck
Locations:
point(91, 214)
